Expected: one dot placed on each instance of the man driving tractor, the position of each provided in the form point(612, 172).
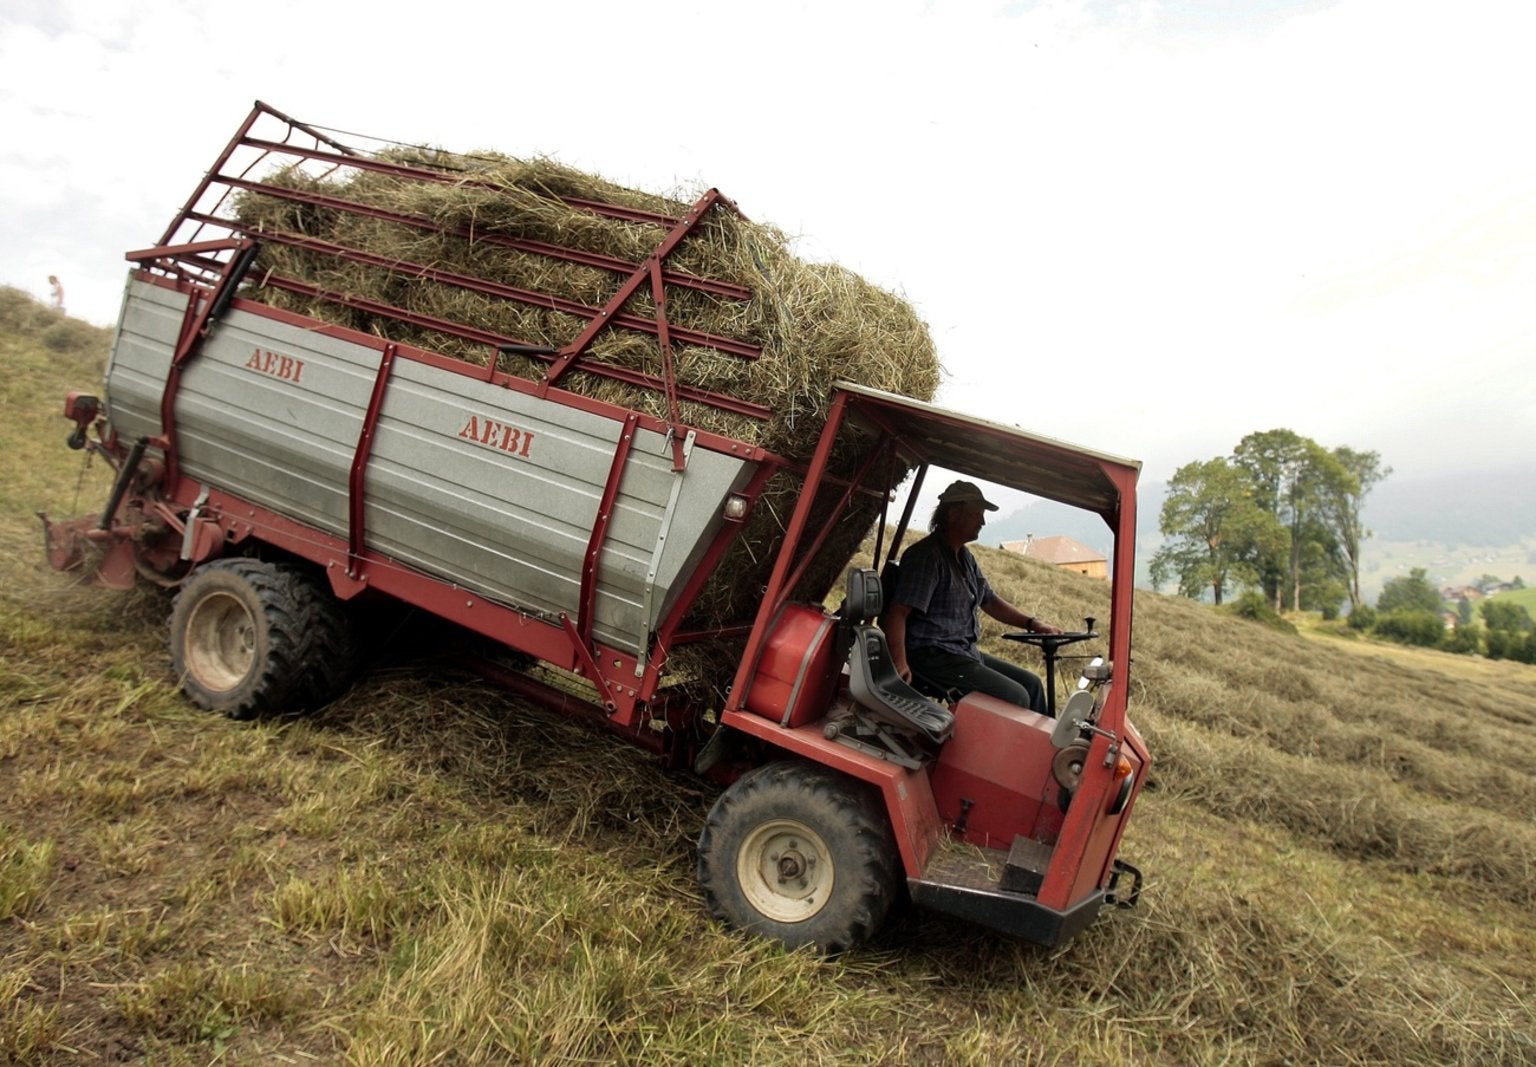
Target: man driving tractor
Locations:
point(932, 624)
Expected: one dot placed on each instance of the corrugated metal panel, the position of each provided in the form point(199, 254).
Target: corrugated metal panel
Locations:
point(494, 490)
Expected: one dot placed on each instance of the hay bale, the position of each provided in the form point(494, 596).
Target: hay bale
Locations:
point(814, 323)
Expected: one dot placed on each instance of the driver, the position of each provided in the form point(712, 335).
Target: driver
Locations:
point(931, 625)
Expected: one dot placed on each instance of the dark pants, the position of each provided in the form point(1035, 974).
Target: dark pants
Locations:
point(990, 675)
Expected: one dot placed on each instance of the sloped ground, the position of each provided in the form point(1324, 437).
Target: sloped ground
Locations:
point(1337, 841)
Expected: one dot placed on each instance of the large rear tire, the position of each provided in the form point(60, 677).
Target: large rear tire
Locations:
point(800, 853)
point(237, 636)
point(331, 653)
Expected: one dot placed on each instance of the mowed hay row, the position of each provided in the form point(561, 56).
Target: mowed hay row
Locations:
point(815, 323)
point(1275, 729)
point(1250, 948)
point(1353, 811)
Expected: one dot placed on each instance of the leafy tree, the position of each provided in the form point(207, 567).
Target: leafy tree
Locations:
point(1282, 513)
point(1509, 629)
point(1507, 616)
point(1413, 593)
point(1324, 596)
point(1341, 499)
point(1273, 460)
point(1311, 493)
point(1508, 644)
point(1216, 530)
point(1463, 613)
point(1322, 582)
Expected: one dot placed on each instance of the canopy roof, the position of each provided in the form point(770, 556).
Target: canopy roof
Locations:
point(1005, 455)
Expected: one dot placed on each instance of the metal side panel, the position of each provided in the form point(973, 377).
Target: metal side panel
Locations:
point(499, 490)
point(489, 488)
point(711, 477)
point(141, 358)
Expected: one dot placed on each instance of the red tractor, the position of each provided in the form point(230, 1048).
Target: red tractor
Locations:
point(275, 468)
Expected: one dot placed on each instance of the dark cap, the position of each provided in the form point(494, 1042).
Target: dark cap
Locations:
point(966, 493)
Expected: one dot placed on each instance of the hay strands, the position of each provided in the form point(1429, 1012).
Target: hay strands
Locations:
point(649, 271)
point(647, 276)
point(581, 257)
point(423, 272)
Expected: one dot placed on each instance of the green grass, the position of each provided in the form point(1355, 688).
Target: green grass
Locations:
point(1526, 598)
point(1336, 835)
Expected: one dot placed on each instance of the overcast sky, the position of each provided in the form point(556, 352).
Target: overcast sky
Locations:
point(1146, 227)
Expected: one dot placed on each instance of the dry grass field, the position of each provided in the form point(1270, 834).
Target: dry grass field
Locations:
point(1338, 840)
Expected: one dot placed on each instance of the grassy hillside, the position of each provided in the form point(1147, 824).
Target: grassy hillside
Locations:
point(1337, 838)
point(1526, 598)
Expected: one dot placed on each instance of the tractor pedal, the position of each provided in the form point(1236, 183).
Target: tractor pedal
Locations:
point(1026, 866)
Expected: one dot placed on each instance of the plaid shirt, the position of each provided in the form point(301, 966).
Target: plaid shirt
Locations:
point(944, 590)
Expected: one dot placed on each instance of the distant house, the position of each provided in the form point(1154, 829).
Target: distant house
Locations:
point(1453, 593)
point(1062, 552)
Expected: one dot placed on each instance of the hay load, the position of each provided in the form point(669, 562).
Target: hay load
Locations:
point(455, 253)
point(436, 227)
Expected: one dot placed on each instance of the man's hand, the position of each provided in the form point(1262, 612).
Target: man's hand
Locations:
point(1009, 615)
point(896, 638)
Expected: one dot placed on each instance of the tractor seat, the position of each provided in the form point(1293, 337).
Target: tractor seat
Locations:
point(872, 677)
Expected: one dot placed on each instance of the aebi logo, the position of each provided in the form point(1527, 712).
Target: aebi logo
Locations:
point(276, 364)
point(488, 431)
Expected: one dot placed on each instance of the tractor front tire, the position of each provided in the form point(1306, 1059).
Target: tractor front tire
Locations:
point(800, 853)
point(238, 636)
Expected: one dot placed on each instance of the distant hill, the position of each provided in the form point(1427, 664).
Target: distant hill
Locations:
point(1494, 506)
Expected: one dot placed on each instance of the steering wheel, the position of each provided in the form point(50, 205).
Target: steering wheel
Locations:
point(1049, 644)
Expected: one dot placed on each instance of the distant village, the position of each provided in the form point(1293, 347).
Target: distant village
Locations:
point(1487, 587)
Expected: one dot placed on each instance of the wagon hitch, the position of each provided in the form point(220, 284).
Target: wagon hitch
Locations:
point(65, 542)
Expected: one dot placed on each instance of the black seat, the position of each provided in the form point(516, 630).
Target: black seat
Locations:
point(872, 677)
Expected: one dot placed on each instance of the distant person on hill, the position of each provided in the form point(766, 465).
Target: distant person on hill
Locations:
point(932, 626)
point(56, 293)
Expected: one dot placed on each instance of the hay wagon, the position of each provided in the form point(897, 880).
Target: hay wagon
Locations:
point(519, 401)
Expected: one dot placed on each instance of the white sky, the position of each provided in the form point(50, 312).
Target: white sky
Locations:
point(1149, 227)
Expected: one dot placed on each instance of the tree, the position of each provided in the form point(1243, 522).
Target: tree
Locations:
point(1322, 579)
point(1463, 613)
point(1506, 615)
point(1295, 478)
point(1511, 631)
point(1413, 593)
point(1271, 460)
point(1282, 513)
point(1340, 503)
point(1217, 530)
